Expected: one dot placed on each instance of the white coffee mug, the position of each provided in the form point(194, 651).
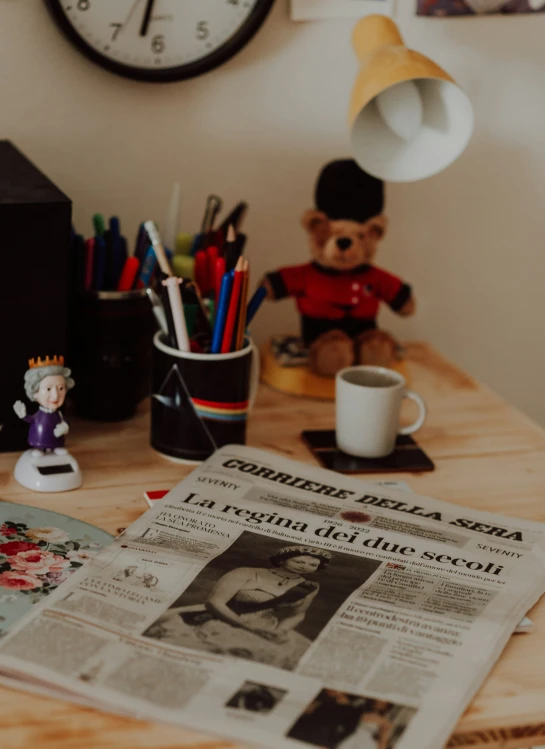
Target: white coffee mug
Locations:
point(368, 402)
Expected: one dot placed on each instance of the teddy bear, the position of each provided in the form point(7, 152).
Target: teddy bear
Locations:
point(339, 293)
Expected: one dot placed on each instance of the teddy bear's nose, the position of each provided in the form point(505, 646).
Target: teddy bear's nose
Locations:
point(344, 243)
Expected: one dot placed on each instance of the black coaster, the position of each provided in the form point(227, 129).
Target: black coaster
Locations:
point(408, 456)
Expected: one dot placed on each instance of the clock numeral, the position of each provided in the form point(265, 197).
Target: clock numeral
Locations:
point(202, 31)
point(84, 4)
point(116, 29)
point(158, 43)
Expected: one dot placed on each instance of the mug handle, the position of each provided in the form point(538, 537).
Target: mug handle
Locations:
point(255, 374)
point(422, 416)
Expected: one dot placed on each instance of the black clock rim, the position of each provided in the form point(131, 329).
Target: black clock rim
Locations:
point(166, 75)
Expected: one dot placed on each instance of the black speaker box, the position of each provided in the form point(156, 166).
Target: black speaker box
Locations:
point(35, 229)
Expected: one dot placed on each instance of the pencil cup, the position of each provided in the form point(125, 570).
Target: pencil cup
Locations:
point(200, 402)
point(111, 345)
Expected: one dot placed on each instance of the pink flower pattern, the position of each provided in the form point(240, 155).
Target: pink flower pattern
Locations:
point(38, 562)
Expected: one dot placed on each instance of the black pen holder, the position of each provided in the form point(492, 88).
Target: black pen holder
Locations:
point(110, 353)
point(200, 402)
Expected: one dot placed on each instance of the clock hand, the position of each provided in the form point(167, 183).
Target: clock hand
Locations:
point(147, 18)
point(131, 13)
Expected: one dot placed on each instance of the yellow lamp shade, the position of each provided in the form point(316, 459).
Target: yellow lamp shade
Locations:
point(408, 118)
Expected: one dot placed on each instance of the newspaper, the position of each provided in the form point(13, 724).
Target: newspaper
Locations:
point(287, 606)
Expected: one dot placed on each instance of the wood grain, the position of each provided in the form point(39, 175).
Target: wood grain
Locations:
point(488, 456)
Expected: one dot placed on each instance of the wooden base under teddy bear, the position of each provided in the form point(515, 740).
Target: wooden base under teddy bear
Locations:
point(339, 293)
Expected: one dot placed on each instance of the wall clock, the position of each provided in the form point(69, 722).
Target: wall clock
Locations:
point(159, 40)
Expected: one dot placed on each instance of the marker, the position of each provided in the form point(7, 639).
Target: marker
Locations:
point(99, 271)
point(201, 271)
point(99, 224)
point(128, 274)
point(221, 312)
point(89, 257)
point(255, 303)
point(219, 272)
point(158, 247)
point(226, 344)
point(177, 308)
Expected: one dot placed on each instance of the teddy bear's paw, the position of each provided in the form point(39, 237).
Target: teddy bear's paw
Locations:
point(376, 348)
point(331, 352)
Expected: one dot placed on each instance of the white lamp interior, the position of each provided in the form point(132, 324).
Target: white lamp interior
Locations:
point(414, 132)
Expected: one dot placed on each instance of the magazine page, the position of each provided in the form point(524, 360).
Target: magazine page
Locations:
point(289, 628)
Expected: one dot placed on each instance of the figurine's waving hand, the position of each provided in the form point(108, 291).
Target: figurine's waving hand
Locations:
point(61, 429)
point(20, 409)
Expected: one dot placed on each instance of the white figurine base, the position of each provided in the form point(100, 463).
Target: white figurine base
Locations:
point(48, 472)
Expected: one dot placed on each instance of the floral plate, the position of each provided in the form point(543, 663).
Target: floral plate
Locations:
point(39, 549)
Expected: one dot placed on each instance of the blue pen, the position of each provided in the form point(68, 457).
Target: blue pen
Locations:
point(142, 243)
point(198, 240)
point(221, 312)
point(255, 303)
point(148, 268)
point(99, 264)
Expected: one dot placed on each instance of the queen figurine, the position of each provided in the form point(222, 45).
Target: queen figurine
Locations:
point(47, 466)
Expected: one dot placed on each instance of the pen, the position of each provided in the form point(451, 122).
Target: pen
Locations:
point(157, 309)
point(177, 308)
point(158, 247)
point(142, 243)
point(221, 312)
point(255, 304)
point(231, 256)
point(235, 218)
point(147, 270)
point(228, 333)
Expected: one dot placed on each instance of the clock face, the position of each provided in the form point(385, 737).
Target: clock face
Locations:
point(159, 40)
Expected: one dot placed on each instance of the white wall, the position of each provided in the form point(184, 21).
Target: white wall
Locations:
point(471, 240)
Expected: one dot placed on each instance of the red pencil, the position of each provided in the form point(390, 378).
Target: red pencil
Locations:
point(89, 259)
point(233, 308)
point(130, 269)
point(201, 271)
point(218, 276)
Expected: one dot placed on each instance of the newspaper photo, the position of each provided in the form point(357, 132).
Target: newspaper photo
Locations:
point(286, 606)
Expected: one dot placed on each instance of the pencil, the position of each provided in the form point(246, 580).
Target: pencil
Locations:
point(227, 340)
point(221, 313)
point(241, 325)
point(158, 247)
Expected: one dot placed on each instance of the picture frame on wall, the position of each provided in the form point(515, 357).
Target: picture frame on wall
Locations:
point(313, 10)
point(442, 8)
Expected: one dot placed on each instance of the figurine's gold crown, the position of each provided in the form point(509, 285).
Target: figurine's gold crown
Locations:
point(47, 362)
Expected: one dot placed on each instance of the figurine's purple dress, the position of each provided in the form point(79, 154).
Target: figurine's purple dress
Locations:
point(42, 424)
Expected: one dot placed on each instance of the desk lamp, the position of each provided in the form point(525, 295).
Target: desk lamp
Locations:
point(408, 118)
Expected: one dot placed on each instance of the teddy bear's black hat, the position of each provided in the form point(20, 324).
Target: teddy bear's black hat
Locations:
point(345, 191)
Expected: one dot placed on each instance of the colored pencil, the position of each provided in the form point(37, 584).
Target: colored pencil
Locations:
point(241, 322)
point(221, 313)
point(128, 275)
point(226, 344)
point(255, 303)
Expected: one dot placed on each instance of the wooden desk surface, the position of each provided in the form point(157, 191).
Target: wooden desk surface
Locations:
point(488, 456)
